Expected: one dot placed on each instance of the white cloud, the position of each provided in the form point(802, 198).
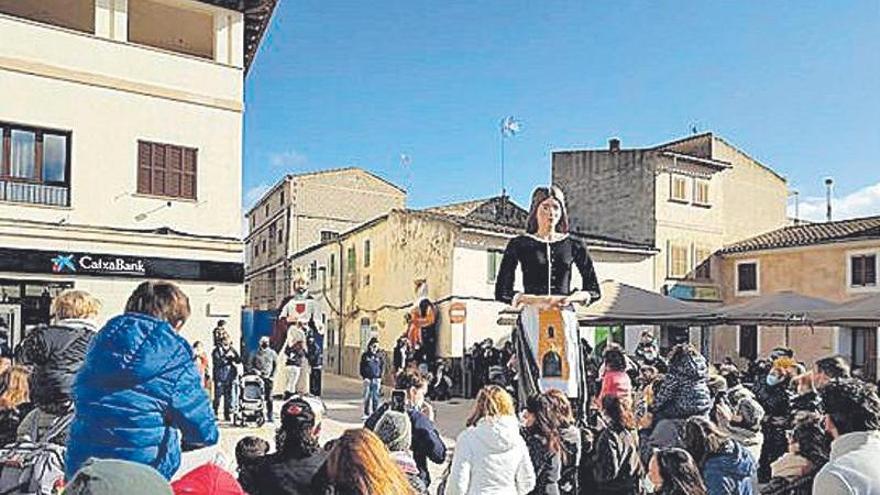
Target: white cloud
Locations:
point(253, 194)
point(864, 202)
point(288, 159)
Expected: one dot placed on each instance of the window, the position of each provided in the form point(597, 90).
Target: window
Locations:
point(267, 210)
point(328, 235)
point(703, 262)
point(280, 234)
point(367, 254)
point(678, 188)
point(281, 199)
point(493, 261)
point(313, 271)
point(366, 280)
point(863, 270)
point(332, 265)
point(701, 192)
point(748, 342)
point(747, 277)
point(678, 260)
point(272, 232)
point(352, 259)
point(167, 170)
point(34, 156)
point(264, 245)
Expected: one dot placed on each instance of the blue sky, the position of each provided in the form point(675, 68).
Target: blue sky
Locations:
point(340, 83)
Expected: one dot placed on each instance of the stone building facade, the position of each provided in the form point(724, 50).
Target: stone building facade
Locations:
point(837, 261)
point(688, 198)
point(304, 210)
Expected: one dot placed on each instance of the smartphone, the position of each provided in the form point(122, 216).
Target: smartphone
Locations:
point(398, 400)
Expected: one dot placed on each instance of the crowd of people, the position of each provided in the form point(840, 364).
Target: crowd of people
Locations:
point(124, 401)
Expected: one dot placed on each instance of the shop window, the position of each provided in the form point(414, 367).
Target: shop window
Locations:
point(167, 170)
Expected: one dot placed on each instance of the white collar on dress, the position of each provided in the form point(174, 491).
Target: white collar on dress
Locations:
point(556, 237)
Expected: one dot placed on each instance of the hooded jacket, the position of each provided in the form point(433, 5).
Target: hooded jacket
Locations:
point(684, 391)
point(138, 397)
point(56, 353)
point(733, 471)
point(491, 458)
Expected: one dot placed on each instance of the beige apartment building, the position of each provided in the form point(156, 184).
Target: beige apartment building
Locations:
point(688, 198)
point(121, 127)
point(364, 280)
point(304, 210)
point(837, 261)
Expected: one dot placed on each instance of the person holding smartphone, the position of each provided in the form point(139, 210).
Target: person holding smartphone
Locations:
point(411, 388)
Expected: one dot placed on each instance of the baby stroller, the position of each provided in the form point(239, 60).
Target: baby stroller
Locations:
point(251, 401)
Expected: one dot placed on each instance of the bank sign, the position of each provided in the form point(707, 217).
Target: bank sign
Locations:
point(87, 263)
point(117, 265)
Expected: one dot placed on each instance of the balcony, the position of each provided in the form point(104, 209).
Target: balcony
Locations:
point(33, 193)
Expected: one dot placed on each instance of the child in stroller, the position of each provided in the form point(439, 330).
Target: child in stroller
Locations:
point(251, 403)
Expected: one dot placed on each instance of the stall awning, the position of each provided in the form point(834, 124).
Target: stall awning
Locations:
point(779, 309)
point(864, 311)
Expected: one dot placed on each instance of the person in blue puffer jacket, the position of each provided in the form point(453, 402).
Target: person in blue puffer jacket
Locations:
point(138, 396)
point(728, 468)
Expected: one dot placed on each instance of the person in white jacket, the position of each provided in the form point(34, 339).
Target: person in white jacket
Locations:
point(491, 458)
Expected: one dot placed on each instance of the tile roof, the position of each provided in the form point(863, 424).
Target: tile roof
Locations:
point(810, 234)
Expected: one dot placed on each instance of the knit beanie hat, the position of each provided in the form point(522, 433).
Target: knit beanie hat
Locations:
point(751, 412)
point(395, 431)
point(113, 477)
point(208, 479)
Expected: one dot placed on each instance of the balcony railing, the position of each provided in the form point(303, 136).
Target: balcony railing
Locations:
point(38, 194)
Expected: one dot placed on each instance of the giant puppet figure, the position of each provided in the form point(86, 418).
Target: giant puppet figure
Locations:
point(546, 334)
point(296, 321)
point(422, 325)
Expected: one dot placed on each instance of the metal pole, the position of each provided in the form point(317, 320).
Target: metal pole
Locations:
point(503, 189)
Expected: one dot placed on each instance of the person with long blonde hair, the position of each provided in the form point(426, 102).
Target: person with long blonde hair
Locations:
point(14, 401)
point(490, 455)
point(360, 464)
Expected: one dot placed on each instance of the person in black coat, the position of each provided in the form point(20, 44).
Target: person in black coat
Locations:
point(775, 396)
point(617, 468)
point(57, 352)
point(224, 358)
point(541, 434)
point(292, 468)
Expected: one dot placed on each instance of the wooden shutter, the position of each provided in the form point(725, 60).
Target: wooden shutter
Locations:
point(173, 170)
point(144, 172)
point(158, 169)
point(188, 187)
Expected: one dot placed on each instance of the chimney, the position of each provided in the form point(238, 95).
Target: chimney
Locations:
point(614, 144)
point(829, 182)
